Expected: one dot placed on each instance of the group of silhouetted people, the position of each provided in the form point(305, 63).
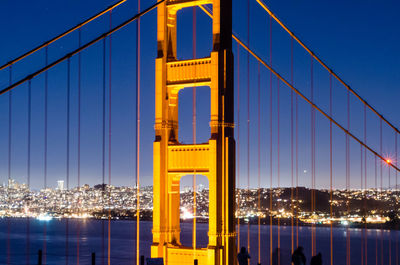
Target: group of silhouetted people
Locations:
point(298, 257)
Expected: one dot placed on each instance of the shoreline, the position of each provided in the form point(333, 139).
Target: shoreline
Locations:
point(395, 226)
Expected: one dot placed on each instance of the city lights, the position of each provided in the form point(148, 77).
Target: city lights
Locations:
point(88, 202)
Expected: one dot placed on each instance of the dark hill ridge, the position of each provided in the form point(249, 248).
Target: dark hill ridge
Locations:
point(343, 202)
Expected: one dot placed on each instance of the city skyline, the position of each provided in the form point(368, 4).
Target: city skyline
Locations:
point(94, 202)
point(329, 41)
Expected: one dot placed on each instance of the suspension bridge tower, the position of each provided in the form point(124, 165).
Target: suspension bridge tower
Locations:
point(214, 159)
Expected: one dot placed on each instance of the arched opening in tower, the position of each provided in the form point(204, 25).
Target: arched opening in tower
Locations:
point(194, 123)
point(185, 30)
point(188, 211)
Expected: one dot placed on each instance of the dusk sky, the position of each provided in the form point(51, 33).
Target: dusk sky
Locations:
point(359, 40)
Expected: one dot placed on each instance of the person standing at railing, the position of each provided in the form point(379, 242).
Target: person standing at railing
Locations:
point(316, 260)
point(243, 256)
point(298, 257)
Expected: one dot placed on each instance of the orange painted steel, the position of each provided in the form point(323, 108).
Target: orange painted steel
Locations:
point(278, 163)
point(214, 159)
point(309, 101)
point(109, 143)
point(312, 140)
point(270, 150)
point(87, 45)
point(365, 185)
point(80, 25)
point(28, 175)
point(238, 148)
point(9, 162)
point(297, 164)
point(270, 186)
point(291, 149)
point(45, 140)
point(248, 123)
point(138, 139)
point(79, 145)
point(330, 170)
point(259, 165)
point(397, 238)
point(347, 157)
point(194, 228)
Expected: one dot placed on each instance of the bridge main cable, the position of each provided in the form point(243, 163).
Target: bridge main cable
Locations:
point(104, 35)
point(318, 59)
point(208, 12)
point(263, 5)
point(80, 25)
point(312, 103)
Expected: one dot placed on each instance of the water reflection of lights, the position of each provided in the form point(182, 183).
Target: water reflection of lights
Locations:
point(44, 217)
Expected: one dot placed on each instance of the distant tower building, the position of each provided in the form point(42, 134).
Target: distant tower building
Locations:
point(11, 183)
point(60, 184)
point(200, 187)
point(187, 189)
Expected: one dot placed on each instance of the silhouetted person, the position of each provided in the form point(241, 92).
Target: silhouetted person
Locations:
point(316, 260)
point(298, 257)
point(243, 256)
point(277, 257)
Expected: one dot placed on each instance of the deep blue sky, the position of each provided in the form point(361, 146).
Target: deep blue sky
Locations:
point(359, 40)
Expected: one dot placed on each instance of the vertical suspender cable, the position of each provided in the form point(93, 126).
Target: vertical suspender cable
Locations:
point(109, 145)
point(361, 188)
point(312, 160)
point(29, 170)
point(248, 121)
point(330, 170)
point(376, 195)
point(68, 152)
point(381, 186)
point(45, 149)
point(194, 137)
point(9, 163)
point(103, 151)
point(348, 179)
point(138, 137)
point(314, 168)
point(396, 190)
point(79, 148)
point(297, 165)
point(390, 236)
point(270, 147)
point(238, 147)
point(291, 149)
point(365, 186)
point(248, 152)
point(258, 165)
point(279, 161)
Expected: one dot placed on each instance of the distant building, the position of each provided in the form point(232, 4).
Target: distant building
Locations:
point(60, 184)
point(200, 187)
point(11, 183)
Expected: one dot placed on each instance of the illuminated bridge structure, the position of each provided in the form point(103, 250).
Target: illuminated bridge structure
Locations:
point(256, 112)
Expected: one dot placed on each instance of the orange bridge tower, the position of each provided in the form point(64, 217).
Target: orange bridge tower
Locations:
point(214, 159)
